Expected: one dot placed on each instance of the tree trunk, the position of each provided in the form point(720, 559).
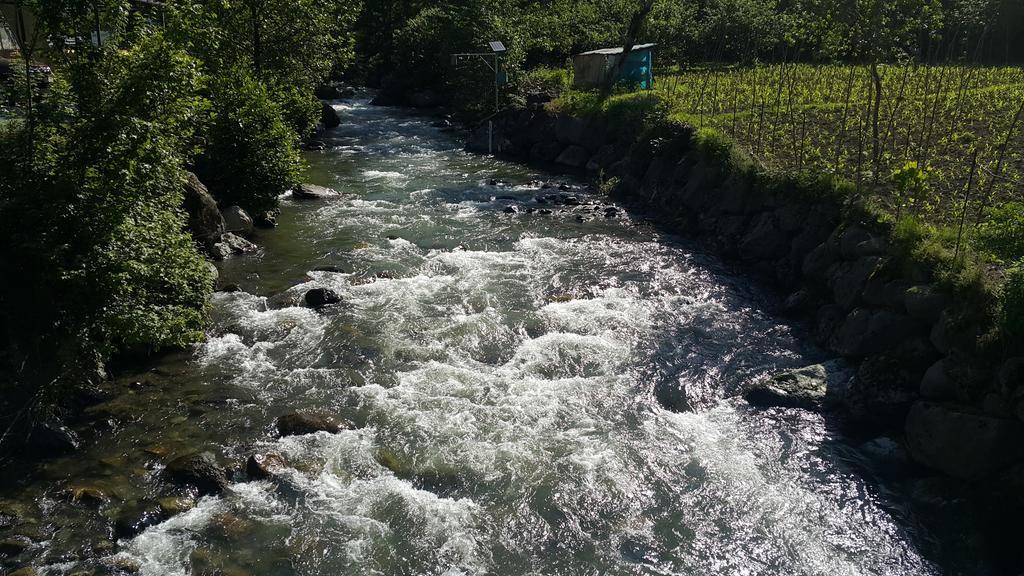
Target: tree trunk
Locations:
point(876, 148)
point(635, 25)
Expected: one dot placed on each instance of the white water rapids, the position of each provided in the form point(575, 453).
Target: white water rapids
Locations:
point(502, 366)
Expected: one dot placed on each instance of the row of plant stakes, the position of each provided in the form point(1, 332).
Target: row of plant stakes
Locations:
point(954, 130)
point(935, 150)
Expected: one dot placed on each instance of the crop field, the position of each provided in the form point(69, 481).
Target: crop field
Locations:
point(941, 143)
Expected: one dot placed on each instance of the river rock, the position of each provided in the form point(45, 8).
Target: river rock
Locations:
point(238, 221)
point(963, 445)
point(812, 387)
point(851, 240)
point(334, 91)
point(819, 261)
point(302, 423)
point(329, 116)
point(545, 151)
point(925, 303)
point(231, 244)
point(937, 383)
point(685, 394)
point(14, 545)
point(886, 453)
point(53, 438)
point(262, 466)
point(573, 156)
point(199, 470)
point(571, 130)
point(879, 395)
point(86, 495)
point(267, 219)
point(135, 518)
point(955, 332)
point(174, 505)
point(847, 279)
point(319, 298)
point(883, 292)
point(602, 159)
point(314, 192)
point(766, 241)
point(331, 269)
point(204, 218)
point(865, 331)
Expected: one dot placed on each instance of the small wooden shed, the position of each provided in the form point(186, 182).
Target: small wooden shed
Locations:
point(591, 69)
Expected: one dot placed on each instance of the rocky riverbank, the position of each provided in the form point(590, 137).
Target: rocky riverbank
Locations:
point(917, 366)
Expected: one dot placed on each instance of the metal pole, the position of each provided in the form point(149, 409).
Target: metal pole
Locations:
point(96, 14)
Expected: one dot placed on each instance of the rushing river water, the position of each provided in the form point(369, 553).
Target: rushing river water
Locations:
point(500, 370)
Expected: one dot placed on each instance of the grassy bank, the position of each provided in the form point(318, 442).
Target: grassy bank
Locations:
point(944, 176)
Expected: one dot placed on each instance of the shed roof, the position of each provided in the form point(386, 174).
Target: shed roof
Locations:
point(613, 51)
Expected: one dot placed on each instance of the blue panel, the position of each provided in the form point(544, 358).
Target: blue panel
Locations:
point(638, 69)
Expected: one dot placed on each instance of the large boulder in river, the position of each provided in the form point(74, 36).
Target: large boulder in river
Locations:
point(318, 298)
point(964, 445)
point(204, 218)
point(200, 471)
point(329, 116)
point(813, 387)
point(313, 192)
point(302, 423)
point(238, 221)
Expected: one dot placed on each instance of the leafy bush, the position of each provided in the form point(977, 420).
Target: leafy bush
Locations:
point(91, 226)
point(300, 110)
point(250, 157)
point(549, 81)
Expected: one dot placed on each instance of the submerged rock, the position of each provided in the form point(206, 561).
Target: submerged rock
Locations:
point(682, 395)
point(200, 471)
point(13, 546)
point(302, 423)
point(87, 495)
point(815, 387)
point(52, 438)
point(318, 298)
point(314, 192)
point(131, 521)
point(331, 269)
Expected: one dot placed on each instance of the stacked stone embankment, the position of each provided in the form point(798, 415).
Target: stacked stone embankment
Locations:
point(923, 364)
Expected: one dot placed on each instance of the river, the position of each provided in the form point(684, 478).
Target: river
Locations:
point(499, 369)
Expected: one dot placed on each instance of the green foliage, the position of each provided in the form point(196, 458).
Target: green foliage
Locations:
point(91, 223)
point(250, 157)
point(1012, 310)
point(1002, 233)
point(549, 81)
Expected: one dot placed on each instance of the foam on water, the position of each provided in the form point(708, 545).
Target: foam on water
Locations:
point(507, 419)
